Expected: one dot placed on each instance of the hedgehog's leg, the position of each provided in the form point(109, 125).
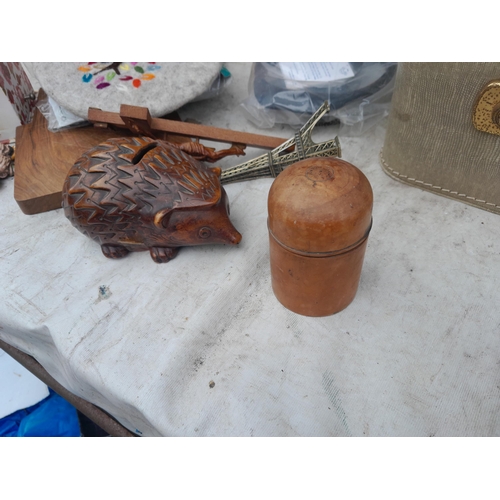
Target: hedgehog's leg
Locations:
point(114, 251)
point(163, 254)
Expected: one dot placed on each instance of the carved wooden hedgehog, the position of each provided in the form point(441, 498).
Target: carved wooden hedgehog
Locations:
point(133, 194)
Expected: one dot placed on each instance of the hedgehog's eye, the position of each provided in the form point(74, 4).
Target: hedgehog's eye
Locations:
point(204, 232)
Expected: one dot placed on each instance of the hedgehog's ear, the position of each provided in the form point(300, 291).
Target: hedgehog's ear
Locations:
point(217, 171)
point(162, 217)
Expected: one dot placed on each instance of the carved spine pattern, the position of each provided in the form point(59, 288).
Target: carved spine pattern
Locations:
point(114, 190)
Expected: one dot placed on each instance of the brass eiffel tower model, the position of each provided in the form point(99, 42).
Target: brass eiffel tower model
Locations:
point(273, 163)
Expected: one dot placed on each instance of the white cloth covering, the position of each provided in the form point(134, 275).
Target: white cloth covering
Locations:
point(201, 347)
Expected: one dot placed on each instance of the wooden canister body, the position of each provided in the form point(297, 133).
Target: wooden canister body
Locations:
point(312, 285)
point(319, 222)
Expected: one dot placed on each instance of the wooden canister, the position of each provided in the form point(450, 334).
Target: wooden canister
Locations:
point(319, 218)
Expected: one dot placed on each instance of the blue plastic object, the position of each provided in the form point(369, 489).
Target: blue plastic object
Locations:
point(51, 417)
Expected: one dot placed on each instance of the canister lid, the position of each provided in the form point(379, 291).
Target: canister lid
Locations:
point(320, 205)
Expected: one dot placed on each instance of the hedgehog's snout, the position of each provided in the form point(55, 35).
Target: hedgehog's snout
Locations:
point(226, 234)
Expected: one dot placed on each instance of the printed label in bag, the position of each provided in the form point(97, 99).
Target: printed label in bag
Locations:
point(315, 72)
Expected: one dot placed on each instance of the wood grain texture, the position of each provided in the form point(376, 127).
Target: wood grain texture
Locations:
point(181, 128)
point(135, 194)
point(319, 220)
point(43, 159)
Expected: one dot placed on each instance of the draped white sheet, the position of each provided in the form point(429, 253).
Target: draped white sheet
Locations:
point(201, 347)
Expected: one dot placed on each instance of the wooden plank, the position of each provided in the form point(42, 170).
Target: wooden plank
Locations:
point(186, 129)
point(43, 159)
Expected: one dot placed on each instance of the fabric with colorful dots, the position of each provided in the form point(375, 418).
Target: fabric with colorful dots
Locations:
point(127, 72)
point(162, 87)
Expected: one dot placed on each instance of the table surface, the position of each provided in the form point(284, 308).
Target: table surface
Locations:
point(201, 347)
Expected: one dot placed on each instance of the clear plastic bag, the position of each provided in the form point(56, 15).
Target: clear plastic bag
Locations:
point(359, 94)
point(59, 118)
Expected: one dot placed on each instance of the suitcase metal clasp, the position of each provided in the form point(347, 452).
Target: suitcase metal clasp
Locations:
point(486, 115)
